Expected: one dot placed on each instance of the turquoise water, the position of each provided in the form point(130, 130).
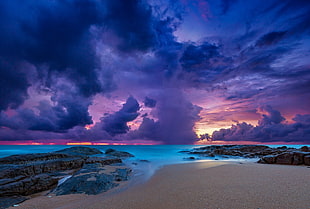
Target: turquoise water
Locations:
point(166, 153)
point(155, 155)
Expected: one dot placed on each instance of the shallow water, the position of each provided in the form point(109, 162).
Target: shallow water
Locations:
point(148, 158)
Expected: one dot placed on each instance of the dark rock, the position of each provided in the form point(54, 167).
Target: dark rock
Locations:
point(122, 174)
point(89, 183)
point(305, 149)
point(189, 158)
point(307, 159)
point(40, 167)
point(6, 202)
point(92, 179)
point(279, 155)
point(31, 158)
point(144, 161)
point(285, 158)
point(184, 151)
point(211, 155)
point(84, 151)
point(232, 150)
point(22, 175)
point(116, 153)
point(252, 148)
point(283, 147)
point(269, 159)
point(103, 161)
point(298, 158)
point(28, 186)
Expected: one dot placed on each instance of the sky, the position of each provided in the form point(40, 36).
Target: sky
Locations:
point(155, 72)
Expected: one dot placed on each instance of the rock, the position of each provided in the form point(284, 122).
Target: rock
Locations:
point(298, 158)
point(307, 159)
point(232, 150)
point(22, 175)
point(252, 148)
point(269, 159)
point(6, 202)
point(211, 155)
point(184, 151)
point(92, 179)
point(84, 151)
point(116, 153)
point(50, 166)
point(279, 155)
point(103, 161)
point(31, 158)
point(305, 149)
point(285, 158)
point(28, 186)
point(189, 158)
point(89, 183)
point(144, 161)
point(122, 174)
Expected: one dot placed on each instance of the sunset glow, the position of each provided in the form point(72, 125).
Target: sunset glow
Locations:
point(154, 72)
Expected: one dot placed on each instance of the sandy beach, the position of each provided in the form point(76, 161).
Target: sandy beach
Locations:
point(210, 185)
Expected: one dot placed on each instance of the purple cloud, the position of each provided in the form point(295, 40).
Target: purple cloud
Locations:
point(187, 62)
point(270, 128)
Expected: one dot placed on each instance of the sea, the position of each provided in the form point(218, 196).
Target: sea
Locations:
point(148, 158)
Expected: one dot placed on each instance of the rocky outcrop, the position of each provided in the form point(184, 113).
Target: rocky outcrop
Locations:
point(232, 150)
point(103, 161)
point(39, 167)
point(115, 153)
point(279, 155)
point(92, 179)
point(287, 158)
point(23, 175)
point(80, 151)
point(307, 159)
point(30, 158)
point(12, 200)
point(28, 185)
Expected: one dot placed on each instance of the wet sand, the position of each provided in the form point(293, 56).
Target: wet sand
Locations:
point(209, 185)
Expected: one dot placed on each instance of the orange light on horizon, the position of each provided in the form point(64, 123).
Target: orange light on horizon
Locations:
point(79, 143)
point(101, 143)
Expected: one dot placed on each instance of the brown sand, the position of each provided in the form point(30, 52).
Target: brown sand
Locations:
point(210, 185)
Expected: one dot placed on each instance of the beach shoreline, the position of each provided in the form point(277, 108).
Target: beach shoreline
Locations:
point(214, 184)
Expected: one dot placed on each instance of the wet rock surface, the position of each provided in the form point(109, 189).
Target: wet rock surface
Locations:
point(80, 151)
point(23, 175)
point(92, 179)
point(268, 155)
point(115, 153)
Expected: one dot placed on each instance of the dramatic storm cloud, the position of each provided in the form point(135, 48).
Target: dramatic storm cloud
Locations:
point(117, 122)
point(154, 71)
point(270, 128)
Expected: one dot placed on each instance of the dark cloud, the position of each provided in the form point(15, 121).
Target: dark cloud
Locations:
point(148, 102)
point(198, 57)
point(269, 129)
point(203, 64)
point(70, 110)
point(55, 34)
point(116, 123)
point(269, 116)
point(13, 85)
point(270, 38)
point(57, 57)
point(139, 25)
point(226, 4)
point(176, 118)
